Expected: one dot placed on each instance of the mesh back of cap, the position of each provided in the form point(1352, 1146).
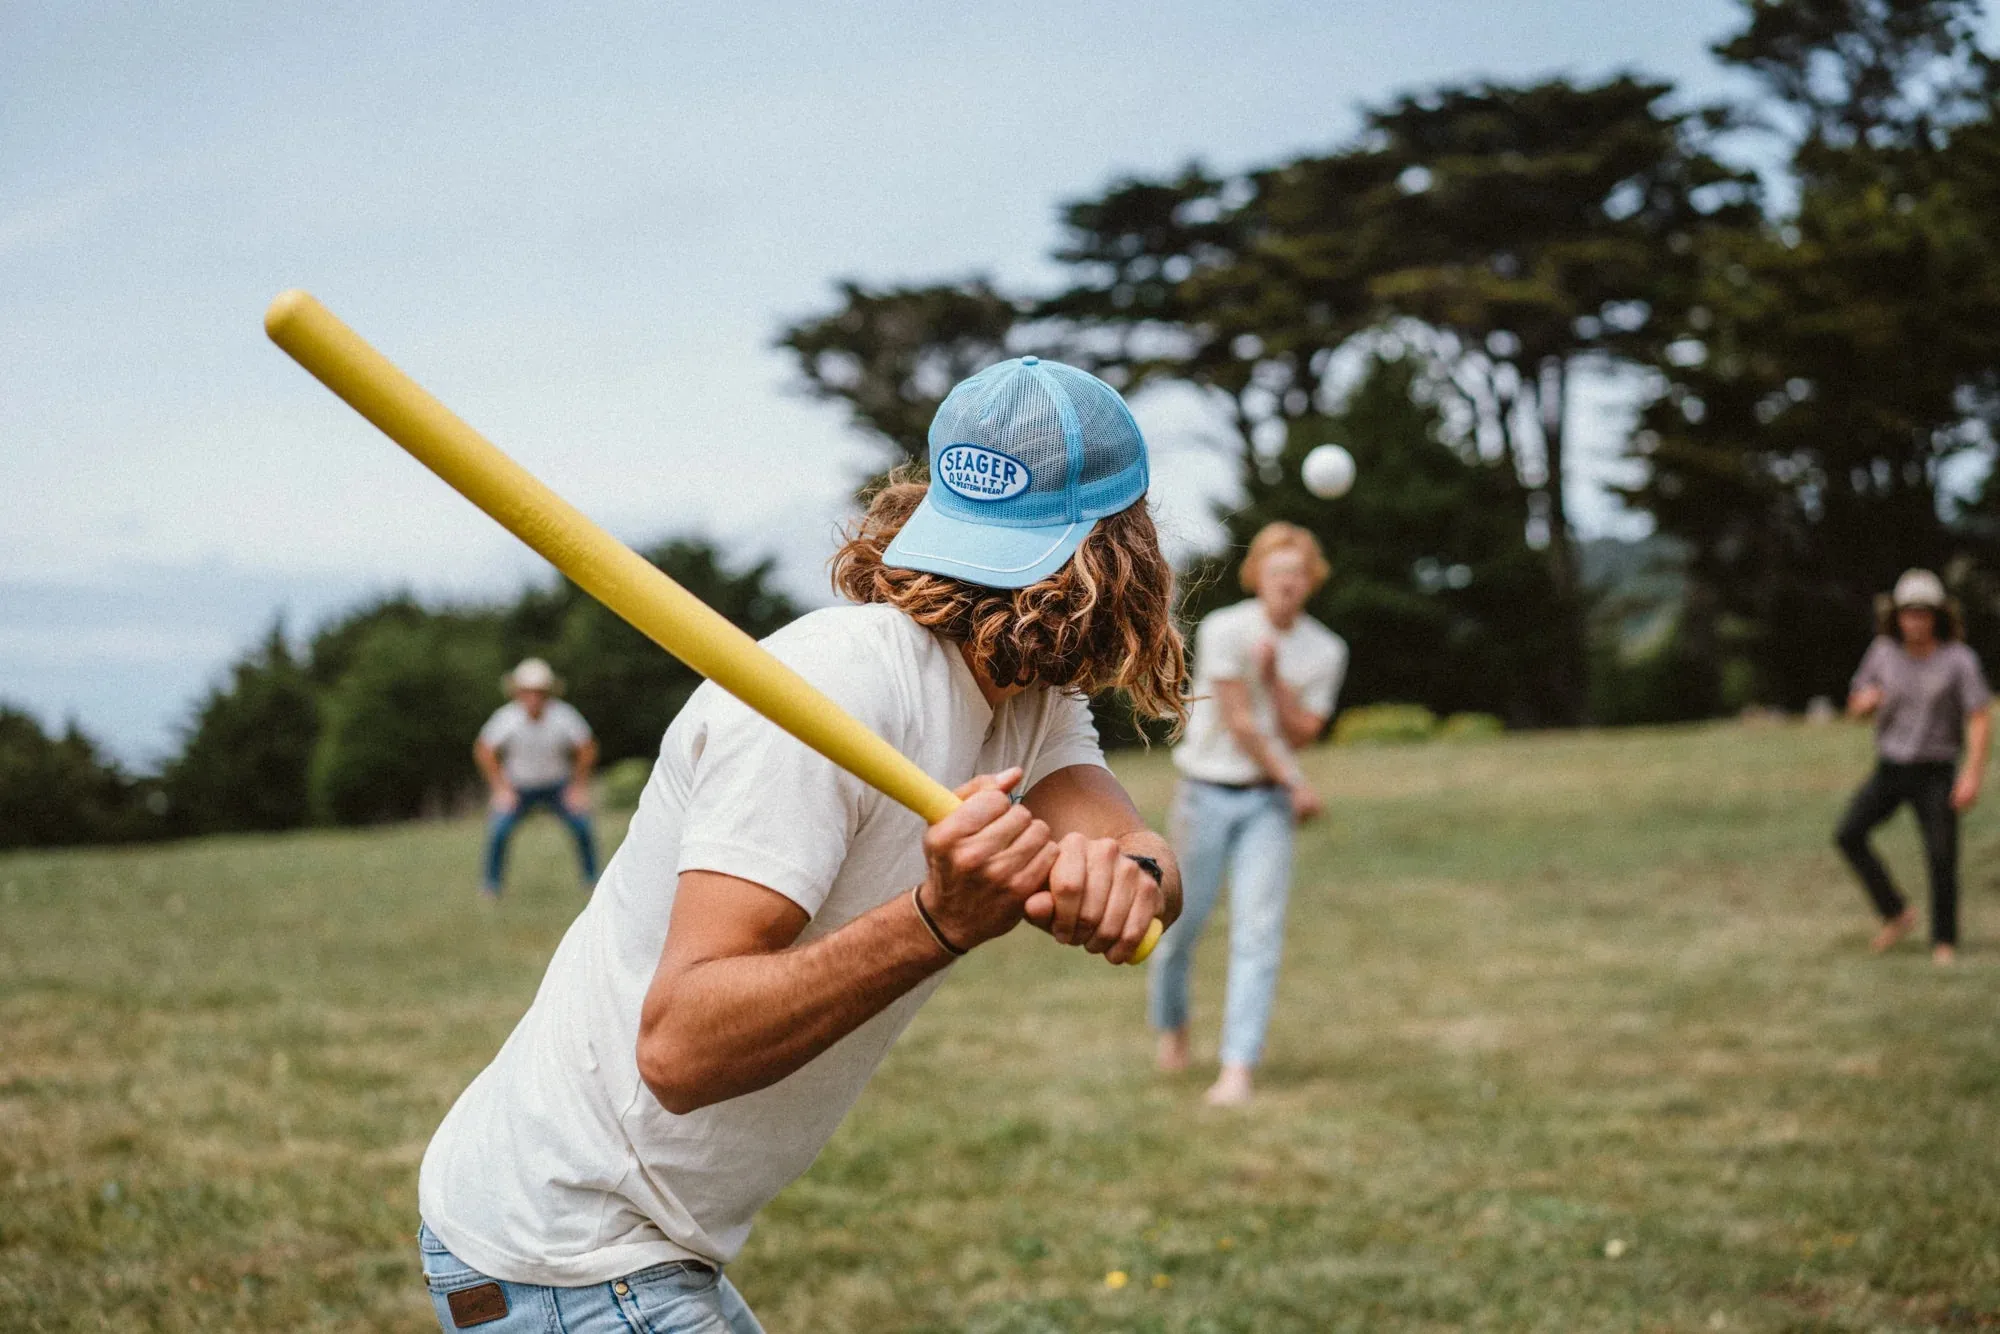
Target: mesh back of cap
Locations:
point(1084, 454)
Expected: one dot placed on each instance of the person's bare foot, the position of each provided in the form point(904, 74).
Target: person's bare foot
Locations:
point(1944, 956)
point(1892, 931)
point(1231, 1087)
point(1171, 1056)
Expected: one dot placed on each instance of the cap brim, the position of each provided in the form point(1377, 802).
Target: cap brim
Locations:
point(984, 554)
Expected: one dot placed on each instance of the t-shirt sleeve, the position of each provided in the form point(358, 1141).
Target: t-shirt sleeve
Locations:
point(765, 807)
point(1869, 673)
point(1322, 686)
point(1222, 648)
point(1070, 738)
point(1973, 693)
point(499, 729)
point(576, 728)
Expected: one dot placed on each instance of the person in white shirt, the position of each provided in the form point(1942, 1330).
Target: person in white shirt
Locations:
point(1266, 679)
point(535, 751)
point(770, 923)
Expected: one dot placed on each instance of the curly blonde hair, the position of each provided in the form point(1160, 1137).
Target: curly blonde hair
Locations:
point(1104, 620)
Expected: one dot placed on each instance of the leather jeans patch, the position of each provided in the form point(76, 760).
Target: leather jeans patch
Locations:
point(477, 1306)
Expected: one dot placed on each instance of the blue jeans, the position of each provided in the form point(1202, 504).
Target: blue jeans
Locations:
point(678, 1298)
point(500, 828)
point(1248, 832)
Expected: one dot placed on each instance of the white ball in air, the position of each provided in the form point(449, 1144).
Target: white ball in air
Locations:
point(1328, 472)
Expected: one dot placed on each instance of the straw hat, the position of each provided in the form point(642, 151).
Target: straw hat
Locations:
point(1919, 588)
point(532, 674)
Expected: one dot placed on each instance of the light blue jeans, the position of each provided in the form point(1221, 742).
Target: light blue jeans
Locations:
point(679, 1298)
point(1248, 833)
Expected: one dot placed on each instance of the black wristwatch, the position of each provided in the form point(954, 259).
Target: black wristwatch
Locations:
point(1151, 868)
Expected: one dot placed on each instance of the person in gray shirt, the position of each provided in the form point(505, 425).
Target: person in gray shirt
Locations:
point(1929, 698)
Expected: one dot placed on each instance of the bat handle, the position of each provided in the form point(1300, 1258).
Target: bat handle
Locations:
point(1153, 934)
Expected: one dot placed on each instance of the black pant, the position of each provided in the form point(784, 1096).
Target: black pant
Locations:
point(1927, 787)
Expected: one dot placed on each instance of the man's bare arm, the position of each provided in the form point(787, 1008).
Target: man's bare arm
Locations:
point(735, 1007)
point(1233, 698)
point(576, 796)
point(1300, 725)
point(731, 1009)
point(1296, 723)
point(1978, 740)
point(488, 761)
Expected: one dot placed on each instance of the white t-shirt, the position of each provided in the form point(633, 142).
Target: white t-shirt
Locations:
point(1312, 660)
point(557, 1165)
point(536, 752)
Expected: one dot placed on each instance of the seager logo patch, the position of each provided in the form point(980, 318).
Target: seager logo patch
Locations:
point(979, 473)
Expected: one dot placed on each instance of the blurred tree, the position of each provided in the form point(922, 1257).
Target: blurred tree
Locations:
point(243, 757)
point(1840, 367)
point(892, 354)
point(1536, 228)
point(1650, 662)
point(399, 722)
point(335, 644)
point(57, 790)
point(1878, 74)
point(377, 721)
point(1509, 233)
point(1243, 287)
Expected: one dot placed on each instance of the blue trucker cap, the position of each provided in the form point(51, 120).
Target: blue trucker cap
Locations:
point(1026, 457)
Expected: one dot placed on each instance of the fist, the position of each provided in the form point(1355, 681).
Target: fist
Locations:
point(1965, 791)
point(986, 858)
point(1264, 658)
point(1097, 897)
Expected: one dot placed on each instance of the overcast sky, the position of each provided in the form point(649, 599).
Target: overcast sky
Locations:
point(580, 226)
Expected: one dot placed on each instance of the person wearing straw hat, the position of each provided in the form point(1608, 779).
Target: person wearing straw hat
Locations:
point(1929, 698)
point(536, 750)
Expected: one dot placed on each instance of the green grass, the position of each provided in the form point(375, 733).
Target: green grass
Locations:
point(1541, 993)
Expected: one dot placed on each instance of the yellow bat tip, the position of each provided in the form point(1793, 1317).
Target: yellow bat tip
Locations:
point(284, 306)
point(1153, 934)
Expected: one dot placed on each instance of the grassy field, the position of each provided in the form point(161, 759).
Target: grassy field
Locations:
point(1576, 1033)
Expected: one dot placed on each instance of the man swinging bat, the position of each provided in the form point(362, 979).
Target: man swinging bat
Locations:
point(771, 923)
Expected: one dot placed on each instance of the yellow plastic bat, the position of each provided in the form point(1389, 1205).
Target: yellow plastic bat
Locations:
point(599, 563)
